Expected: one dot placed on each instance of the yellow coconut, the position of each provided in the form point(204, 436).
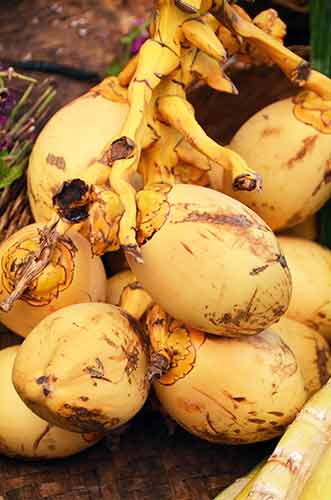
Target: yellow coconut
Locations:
point(311, 350)
point(69, 145)
point(212, 263)
point(22, 433)
point(72, 276)
point(83, 368)
point(293, 159)
point(231, 390)
point(310, 266)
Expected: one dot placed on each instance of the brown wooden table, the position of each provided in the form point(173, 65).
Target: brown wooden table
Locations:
point(147, 464)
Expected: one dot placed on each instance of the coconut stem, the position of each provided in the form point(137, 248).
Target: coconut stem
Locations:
point(160, 364)
point(34, 265)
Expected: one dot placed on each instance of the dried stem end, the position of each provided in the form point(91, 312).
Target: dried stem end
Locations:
point(25, 262)
point(159, 366)
point(247, 182)
point(72, 201)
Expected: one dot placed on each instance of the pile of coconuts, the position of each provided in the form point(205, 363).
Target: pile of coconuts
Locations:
point(226, 317)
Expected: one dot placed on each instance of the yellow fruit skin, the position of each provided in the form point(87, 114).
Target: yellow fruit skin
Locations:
point(214, 264)
point(88, 283)
point(310, 349)
point(69, 145)
point(310, 266)
point(22, 433)
point(83, 368)
point(116, 284)
point(238, 391)
point(294, 161)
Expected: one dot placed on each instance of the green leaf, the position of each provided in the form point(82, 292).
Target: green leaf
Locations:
point(320, 41)
point(118, 63)
point(320, 35)
point(114, 68)
point(9, 174)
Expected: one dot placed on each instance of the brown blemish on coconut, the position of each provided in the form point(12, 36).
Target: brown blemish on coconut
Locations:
point(326, 178)
point(87, 420)
point(322, 362)
point(313, 324)
point(97, 371)
point(215, 401)
point(187, 248)
point(270, 131)
point(236, 220)
point(136, 327)
point(46, 382)
point(56, 161)
point(258, 270)
point(132, 356)
point(276, 413)
point(210, 423)
point(109, 341)
point(188, 406)
point(37, 441)
point(239, 399)
point(295, 219)
point(84, 398)
point(257, 420)
point(308, 144)
point(235, 318)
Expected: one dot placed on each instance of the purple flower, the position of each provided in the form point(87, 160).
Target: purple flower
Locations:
point(3, 119)
point(138, 42)
point(139, 21)
point(6, 143)
point(8, 99)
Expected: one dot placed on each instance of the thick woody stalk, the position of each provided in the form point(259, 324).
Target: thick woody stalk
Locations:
point(298, 452)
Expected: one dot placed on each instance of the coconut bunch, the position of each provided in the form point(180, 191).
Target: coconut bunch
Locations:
point(210, 310)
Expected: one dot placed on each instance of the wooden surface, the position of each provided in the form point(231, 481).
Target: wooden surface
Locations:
point(147, 464)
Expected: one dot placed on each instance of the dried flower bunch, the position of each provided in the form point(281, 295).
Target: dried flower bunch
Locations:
point(24, 108)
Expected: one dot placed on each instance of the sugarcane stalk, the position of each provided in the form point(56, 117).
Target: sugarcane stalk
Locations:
point(298, 452)
point(242, 486)
point(319, 485)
